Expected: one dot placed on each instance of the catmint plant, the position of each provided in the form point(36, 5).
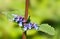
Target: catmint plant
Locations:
point(26, 24)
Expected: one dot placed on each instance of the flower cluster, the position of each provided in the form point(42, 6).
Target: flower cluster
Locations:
point(30, 26)
point(21, 22)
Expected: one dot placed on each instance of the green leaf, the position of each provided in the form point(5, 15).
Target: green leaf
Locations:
point(47, 29)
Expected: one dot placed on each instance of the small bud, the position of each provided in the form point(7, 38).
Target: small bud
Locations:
point(17, 19)
point(25, 28)
point(30, 26)
point(35, 26)
point(20, 24)
point(20, 18)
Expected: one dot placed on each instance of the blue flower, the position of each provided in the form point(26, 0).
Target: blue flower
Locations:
point(20, 22)
point(25, 27)
point(15, 17)
point(21, 19)
point(35, 26)
point(30, 26)
point(18, 19)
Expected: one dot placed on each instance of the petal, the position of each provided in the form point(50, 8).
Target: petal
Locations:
point(20, 17)
point(20, 20)
point(29, 27)
point(20, 23)
point(17, 20)
point(35, 26)
point(25, 28)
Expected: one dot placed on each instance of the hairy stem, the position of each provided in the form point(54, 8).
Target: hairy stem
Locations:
point(26, 10)
point(24, 35)
point(25, 17)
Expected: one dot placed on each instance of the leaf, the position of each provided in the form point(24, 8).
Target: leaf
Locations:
point(47, 29)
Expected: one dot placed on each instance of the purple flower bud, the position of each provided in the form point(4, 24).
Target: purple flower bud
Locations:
point(29, 25)
point(17, 19)
point(20, 19)
point(25, 27)
point(20, 24)
point(35, 26)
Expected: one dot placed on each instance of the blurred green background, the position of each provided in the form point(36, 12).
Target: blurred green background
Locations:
point(41, 11)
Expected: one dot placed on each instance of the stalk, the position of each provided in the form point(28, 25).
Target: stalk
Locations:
point(25, 17)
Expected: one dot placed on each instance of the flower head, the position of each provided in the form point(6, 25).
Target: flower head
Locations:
point(21, 22)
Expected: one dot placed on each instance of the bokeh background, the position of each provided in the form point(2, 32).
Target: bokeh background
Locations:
point(41, 11)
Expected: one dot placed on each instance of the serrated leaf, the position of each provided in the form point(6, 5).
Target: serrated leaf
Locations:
point(47, 29)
